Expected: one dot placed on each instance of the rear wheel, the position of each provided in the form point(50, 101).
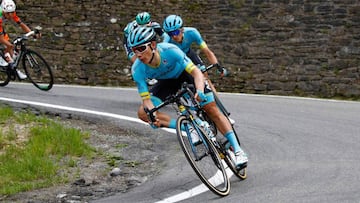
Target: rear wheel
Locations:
point(203, 158)
point(4, 76)
point(37, 70)
point(240, 173)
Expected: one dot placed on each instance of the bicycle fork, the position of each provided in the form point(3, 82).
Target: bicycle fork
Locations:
point(198, 130)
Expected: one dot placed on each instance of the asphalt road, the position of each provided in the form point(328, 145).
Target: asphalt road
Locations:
point(300, 150)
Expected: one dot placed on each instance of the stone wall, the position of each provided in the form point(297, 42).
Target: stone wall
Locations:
point(282, 47)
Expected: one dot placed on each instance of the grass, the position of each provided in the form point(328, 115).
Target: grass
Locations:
point(31, 150)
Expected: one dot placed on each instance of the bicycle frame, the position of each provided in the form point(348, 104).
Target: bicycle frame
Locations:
point(21, 49)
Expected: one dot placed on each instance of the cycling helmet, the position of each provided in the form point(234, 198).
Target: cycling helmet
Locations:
point(8, 6)
point(143, 18)
point(141, 35)
point(172, 22)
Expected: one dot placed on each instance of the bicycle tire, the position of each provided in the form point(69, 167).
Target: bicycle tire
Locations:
point(4, 76)
point(203, 158)
point(38, 70)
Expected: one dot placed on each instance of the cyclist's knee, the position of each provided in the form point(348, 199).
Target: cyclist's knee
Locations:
point(211, 109)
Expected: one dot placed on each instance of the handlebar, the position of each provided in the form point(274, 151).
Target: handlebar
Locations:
point(26, 36)
point(220, 69)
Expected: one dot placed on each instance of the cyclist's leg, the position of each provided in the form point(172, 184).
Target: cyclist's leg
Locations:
point(8, 51)
point(222, 123)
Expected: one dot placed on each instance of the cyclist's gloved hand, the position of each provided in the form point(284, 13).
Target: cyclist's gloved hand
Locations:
point(201, 96)
point(202, 67)
point(37, 34)
point(221, 70)
point(151, 118)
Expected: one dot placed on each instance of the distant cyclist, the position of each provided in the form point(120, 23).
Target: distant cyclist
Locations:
point(8, 13)
point(171, 67)
point(184, 37)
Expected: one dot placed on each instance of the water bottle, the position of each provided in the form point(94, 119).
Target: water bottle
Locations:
point(205, 125)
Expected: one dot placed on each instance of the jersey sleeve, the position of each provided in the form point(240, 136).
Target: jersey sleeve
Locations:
point(16, 18)
point(198, 39)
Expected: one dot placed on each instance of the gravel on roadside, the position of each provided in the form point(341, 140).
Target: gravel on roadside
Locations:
point(130, 155)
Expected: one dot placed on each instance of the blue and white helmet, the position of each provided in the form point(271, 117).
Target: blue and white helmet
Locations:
point(172, 22)
point(141, 35)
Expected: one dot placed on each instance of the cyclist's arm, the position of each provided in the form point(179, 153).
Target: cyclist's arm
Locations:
point(195, 34)
point(4, 41)
point(196, 73)
point(198, 78)
point(9, 46)
point(23, 26)
point(209, 54)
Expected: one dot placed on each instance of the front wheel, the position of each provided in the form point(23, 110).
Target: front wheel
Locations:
point(37, 70)
point(203, 157)
point(4, 76)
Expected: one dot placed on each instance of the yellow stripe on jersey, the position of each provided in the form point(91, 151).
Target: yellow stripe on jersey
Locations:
point(190, 67)
point(203, 45)
point(145, 95)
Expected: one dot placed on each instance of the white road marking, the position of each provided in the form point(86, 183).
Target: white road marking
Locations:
point(196, 190)
point(74, 109)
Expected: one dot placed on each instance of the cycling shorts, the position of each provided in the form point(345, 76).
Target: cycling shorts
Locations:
point(165, 87)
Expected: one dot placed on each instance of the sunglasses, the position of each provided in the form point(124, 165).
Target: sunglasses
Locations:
point(140, 49)
point(174, 33)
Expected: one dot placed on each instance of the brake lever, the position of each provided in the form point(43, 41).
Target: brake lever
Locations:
point(150, 115)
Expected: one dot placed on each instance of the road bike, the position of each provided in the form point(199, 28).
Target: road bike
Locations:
point(37, 70)
point(206, 157)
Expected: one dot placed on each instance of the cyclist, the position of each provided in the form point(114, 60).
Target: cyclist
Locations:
point(171, 67)
point(184, 37)
point(8, 13)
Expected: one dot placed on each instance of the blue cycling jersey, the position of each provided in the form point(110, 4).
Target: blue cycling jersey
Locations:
point(190, 35)
point(173, 62)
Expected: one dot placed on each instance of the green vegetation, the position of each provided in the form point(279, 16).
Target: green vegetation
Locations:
point(32, 149)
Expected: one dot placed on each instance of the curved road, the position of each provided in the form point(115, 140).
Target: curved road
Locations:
point(300, 150)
